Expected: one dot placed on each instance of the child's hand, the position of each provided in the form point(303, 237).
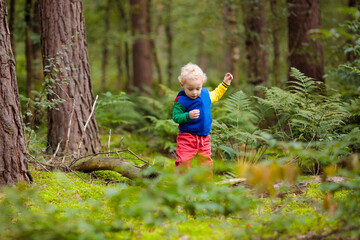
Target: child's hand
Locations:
point(228, 77)
point(194, 114)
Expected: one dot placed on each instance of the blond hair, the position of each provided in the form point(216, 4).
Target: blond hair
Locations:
point(190, 72)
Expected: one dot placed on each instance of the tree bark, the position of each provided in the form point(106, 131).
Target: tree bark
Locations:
point(12, 24)
point(105, 46)
point(65, 59)
point(275, 30)
point(232, 53)
point(255, 31)
point(305, 54)
point(13, 161)
point(142, 51)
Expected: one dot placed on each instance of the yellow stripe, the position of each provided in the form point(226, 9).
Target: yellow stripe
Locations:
point(218, 92)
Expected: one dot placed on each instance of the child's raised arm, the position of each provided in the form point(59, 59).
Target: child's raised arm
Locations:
point(221, 89)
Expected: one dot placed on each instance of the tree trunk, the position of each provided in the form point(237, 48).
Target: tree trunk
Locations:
point(38, 73)
point(12, 24)
point(169, 41)
point(232, 53)
point(142, 51)
point(105, 46)
point(305, 54)
point(67, 72)
point(125, 25)
point(155, 58)
point(13, 161)
point(255, 31)
point(350, 56)
point(275, 29)
point(34, 70)
point(28, 49)
point(119, 67)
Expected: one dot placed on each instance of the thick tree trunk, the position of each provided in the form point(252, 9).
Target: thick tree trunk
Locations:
point(65, 56)
point(275, 29)
point(142, 51)
point(105, 46)
point(232, 53)
point(13, 161)
point(255, 30)
point(305, 54)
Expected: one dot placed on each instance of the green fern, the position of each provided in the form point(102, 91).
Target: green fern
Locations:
point(301, 83)
point(302, 112)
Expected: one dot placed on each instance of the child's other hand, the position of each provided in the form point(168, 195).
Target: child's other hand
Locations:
point(228, 77)
point(194, 114)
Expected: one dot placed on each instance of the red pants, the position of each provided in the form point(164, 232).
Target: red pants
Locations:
point(188, 145)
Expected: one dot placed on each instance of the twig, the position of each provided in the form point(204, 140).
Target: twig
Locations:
point(69, 127)
point(54, 155)
point(278, 209)
point(105, 153)
point(86, 124)
point(37, 162)
point(74, 173)
point(138, 157)
point(109, 141)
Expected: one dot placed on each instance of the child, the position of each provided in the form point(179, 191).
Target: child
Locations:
point(192, 111)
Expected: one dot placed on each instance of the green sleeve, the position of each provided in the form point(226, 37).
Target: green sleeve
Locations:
point(179, 114)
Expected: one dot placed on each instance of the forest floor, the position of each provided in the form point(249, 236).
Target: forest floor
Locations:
point(292, 215)
point(93, 204)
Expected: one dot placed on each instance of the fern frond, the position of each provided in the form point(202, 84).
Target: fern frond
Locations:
point(301, 83)
point(237, 102)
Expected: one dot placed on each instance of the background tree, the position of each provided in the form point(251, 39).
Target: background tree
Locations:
point(232, 53)
point(350, 56)
point(142, 50)
point(28, 49)
point(105, 45)
point(124, 30)
point(168, 5)
point(255, 31)
point(305, 53)
point(275, 30)
point(67, 73)
point(13, 161)
point(38, 73)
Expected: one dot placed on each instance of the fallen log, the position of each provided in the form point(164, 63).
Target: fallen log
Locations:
point(95, 163)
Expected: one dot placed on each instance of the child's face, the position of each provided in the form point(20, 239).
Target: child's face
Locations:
point(192, 87)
